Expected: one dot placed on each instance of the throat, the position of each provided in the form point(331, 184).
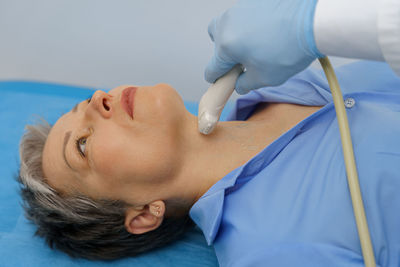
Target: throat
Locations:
point(233, 143)
point(242, 140)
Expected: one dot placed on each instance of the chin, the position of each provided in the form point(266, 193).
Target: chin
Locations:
point(168, 101)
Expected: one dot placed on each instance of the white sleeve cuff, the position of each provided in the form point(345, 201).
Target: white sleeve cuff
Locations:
point(389, 32)
point(348, 28)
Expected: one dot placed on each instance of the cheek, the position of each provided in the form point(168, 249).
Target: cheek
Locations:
point(105, 158)
point(129, 159)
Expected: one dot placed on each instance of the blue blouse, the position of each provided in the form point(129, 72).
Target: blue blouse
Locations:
point(290, 204)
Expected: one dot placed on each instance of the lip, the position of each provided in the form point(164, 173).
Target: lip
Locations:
point(128, 99)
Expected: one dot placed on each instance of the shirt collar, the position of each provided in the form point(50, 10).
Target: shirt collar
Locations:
point(207, 211)
point(306, 88)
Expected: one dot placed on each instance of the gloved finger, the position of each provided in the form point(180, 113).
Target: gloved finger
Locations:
point(216, 68)
point(248, 81)
point(212, 28)
point(253, 79)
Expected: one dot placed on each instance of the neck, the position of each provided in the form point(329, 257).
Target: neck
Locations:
point(208, 158)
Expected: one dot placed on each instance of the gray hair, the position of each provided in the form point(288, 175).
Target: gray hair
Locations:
point(79, 225)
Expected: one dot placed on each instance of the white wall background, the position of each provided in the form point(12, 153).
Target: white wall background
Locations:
point(104, 43)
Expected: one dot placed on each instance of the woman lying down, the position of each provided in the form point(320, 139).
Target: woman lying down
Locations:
point(127, 171)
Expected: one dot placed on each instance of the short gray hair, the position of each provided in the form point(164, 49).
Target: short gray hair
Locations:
point(78, 225)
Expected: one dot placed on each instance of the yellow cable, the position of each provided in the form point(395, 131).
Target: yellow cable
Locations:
point(351, 170)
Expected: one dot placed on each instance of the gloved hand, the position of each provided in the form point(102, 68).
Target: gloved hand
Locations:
point(272, 39)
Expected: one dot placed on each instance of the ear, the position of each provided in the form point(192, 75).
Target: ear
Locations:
point(146, 218)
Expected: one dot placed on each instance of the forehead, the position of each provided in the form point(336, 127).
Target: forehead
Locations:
point(53, 164)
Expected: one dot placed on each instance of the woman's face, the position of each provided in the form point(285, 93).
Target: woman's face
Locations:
point(100, 150)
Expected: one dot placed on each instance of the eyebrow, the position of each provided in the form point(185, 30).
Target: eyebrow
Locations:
point(66, 138)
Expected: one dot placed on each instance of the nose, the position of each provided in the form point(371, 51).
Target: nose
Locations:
point(100, 103)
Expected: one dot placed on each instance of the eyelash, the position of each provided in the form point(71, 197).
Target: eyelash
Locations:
point(78, 141)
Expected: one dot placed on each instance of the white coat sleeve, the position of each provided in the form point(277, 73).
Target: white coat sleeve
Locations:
point(363, 29)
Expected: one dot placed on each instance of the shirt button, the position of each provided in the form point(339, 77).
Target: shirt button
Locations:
point(349, 102)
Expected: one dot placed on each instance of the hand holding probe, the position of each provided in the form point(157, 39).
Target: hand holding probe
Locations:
point(213, 101)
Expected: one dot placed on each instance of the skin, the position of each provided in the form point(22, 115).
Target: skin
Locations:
point(158, 157)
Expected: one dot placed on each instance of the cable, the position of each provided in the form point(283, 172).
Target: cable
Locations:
point(351, 170)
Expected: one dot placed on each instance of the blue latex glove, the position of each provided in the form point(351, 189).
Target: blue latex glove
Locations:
point(272, 39)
